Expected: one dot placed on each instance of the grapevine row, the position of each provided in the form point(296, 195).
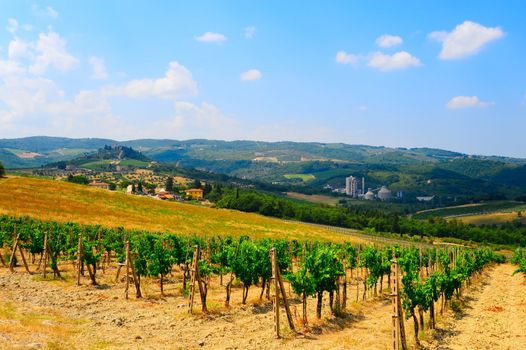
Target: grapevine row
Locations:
point(313, 268)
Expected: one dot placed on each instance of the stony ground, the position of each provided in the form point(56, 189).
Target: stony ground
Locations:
point(53, 314)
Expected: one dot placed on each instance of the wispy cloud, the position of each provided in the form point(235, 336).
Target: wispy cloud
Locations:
point(12, 25)
point(176, 83)
point(459, 102)
point(251, 74)
point(98, 68)
point(386, 41)
point(465, 40)
point(343, 57)
point(46, 11)
point(51, 51)
point(250, 32)
point(397, 61)
point(210, 37)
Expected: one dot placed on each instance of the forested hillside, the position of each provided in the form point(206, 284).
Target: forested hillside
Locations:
point(306, 167)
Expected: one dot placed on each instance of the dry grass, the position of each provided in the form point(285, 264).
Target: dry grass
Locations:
point(27, 324)
point(63, 202)
point(492, 218)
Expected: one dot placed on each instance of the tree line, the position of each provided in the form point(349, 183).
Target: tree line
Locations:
point(355, 217)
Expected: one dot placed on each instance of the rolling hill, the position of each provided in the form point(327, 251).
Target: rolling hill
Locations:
point(64, 202)
point(416, 171)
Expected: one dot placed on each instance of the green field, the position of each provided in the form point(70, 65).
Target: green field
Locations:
point(303, 177)
point(101, 163)
point(313, 198)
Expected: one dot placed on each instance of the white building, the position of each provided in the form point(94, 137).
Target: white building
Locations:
point(369, 196)
point(351, 186)
point(384, 194)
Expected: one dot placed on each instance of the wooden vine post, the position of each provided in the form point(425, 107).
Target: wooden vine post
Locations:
point(16, 246)
point(193, 276)
point(13, 253)
point(127, 263)
point(45, 255)
point(399, 340)
point(136, 280)
point(79, 258)
point(279, 288)
point(2, 258)
point(285, 301)
point(276, 292)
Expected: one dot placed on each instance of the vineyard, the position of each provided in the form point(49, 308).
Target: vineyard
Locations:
point(430, 278)
point(519, 258)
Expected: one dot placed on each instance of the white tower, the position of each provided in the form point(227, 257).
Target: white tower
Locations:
point(351, 186)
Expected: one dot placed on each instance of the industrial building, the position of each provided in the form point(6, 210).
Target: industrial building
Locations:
point(351, 187)
point(369, 195)
point(384, 194)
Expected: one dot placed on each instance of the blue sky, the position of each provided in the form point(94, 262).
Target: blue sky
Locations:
point(444, 74)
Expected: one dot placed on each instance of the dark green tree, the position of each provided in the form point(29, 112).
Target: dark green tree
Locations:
point(169, 186)
point(207, 189)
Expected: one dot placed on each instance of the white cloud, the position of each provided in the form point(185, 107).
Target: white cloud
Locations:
point(363, 108)
point(459, 102)
point(36, 105)
point(98, 67)
point(252, 74)
point(210, 37)
point(12, 25)
point(387, 40)
point(18, 48)
point(399, 60)
point(9, 67)
point(346, 58)
point(194, 121)
point(51, 52)
point(205, 116)
point(466, 39)
point(46, 11)
point(177, 82)
point(250, 32)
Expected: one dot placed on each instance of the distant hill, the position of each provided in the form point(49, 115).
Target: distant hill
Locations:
point(311, 166)
point(35, 151)
point(107, 158)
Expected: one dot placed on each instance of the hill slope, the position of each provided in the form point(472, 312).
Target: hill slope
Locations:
point(416, 172)
point(61, 201)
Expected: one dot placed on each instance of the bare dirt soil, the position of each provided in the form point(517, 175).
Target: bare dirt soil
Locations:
point(57, 314)
point(493, 316)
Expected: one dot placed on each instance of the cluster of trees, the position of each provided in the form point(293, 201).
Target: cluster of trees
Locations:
point(360, 218)
point(519, 258)
point(312, 268)
point(2, 170)
point(78, 179)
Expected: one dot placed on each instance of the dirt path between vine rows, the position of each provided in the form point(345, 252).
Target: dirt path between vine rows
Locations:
point(38, 314)
point(494, 316)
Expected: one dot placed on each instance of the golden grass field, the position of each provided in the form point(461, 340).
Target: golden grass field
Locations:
point(63, 202)
point(492, 218)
